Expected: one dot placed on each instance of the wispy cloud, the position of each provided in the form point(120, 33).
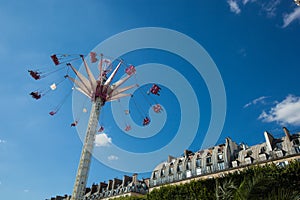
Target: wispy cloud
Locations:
point(255, 101)
point(102, 140)
point(270, 8)
point(284, 112)
point(234, 7)
point(242, 52)
point(248, 1)
point(289, 18)
point(2, 141)
point(26, 190)
point(112, 157)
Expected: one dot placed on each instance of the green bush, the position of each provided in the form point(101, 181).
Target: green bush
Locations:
point(268, 182)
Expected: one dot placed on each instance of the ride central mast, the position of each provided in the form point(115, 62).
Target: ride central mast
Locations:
point(99, 91)
point(85, 159)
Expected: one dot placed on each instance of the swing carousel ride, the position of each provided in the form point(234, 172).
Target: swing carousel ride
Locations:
point(99, 91)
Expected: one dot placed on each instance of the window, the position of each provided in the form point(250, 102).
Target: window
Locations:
point(163, 171)
point(220, 156)
point(180, 176)
point(208, 160)
point(171, 170)
point(262, 156)
point(179, 167)
point(221, 166)
point(249, 153)
point(188, 165)
point(198, 171)
point(188, 174)
point(248, 160)
point(297, 149)
point(208, 169)
point(235, 163)
point(155, 175)
point(279, 153)
point(296, 142)
point(198, 162)
point(279, 145)
point(154, 182)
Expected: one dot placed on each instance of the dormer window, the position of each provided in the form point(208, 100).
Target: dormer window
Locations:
point(188, 165)
point(279, 145)
point(171, 170)
point(208, 160)
point(198, 162)
point(262, 150)
point(296, 142)
point(179, 167)
point(155, 174)
point(220, 156)
point(163, 171)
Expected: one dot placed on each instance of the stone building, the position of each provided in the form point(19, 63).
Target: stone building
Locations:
point(212, 162)
point(128, 186)
point(225, 157)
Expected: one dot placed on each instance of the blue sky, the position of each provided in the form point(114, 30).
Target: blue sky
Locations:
point(253, 43)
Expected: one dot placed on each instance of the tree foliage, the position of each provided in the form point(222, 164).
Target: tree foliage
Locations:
point(268, 182)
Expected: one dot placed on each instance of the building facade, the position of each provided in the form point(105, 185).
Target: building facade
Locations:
point(225, 157)
point(212, 162)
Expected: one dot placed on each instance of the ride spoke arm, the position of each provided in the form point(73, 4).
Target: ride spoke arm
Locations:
point(118, 96)
point(83, 80)
point(120, 90)
point(90, 75)
point(80, 87)
point(113, 74)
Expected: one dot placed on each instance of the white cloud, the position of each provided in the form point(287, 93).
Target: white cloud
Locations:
point(289, 18)
point(234, 7)
point(285, 112)
point(26, 190)
point(102, 140)
point(255, 101)
point(112, 157)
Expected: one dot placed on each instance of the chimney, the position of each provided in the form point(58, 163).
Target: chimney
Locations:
point(116, 183)
point(269, 140)
point(186, 153)
point(134, 178)
point(126, 180)
point(109, 186)
point(102, 186)
point(94, 188)
point(287, 133)
point(170, 158)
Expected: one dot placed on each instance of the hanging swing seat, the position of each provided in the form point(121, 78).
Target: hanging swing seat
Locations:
point(146, 121)
point(93, 57)
point(52, 113)
point(55, 59)
point(155, 89)
point(36, 95)
point(74, 124)
point(127, 128)
point(34, 74)
point(101, 129)
point(130, 70)
point(157, 108)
